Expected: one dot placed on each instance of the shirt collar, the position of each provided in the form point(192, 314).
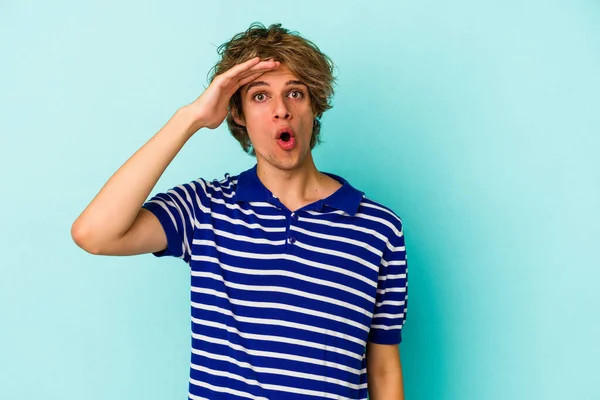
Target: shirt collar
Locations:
point(346, 198)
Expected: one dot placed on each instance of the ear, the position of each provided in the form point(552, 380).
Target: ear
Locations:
point(239, 119)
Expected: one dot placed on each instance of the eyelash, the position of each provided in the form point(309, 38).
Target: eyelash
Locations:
point(291, 91)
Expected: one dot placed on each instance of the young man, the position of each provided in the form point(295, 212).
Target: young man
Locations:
point(298, 280)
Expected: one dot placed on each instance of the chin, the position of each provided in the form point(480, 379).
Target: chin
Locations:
point(290, 163)
point(284, 165)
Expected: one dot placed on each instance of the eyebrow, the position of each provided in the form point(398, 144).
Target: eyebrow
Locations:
point(263, 83)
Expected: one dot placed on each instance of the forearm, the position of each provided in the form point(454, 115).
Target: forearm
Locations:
point(388, 386)
point(112, 212)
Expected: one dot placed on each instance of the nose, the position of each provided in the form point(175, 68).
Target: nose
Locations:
point(281, 110)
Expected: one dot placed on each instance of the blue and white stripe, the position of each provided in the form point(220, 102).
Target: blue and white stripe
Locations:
point(283, 303)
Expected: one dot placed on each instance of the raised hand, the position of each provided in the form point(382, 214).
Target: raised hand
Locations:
point(210, 109)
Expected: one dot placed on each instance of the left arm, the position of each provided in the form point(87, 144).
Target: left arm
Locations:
point(384, 371)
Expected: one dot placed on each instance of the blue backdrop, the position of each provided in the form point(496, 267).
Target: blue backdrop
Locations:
point(478, 122)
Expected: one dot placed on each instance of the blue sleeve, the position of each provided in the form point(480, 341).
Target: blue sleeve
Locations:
point(392, 293)
point(178, 211)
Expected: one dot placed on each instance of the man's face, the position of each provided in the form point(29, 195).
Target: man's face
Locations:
point(278, 117)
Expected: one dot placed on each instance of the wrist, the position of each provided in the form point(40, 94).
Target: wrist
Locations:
point(190, 119)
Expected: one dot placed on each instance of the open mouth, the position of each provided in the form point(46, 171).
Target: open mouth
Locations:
point(285, 136)
point(286, 139)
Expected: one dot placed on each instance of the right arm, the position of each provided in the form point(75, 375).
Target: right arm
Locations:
point(114, 222)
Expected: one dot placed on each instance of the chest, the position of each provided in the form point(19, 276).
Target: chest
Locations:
point(299, 267)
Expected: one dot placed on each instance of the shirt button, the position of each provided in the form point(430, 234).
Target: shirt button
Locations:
point(295, 216)
point(292, 240)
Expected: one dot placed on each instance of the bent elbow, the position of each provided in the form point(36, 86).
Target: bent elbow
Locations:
point(82, 238)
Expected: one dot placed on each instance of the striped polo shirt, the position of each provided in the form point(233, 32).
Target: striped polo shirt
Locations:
point(283, 303)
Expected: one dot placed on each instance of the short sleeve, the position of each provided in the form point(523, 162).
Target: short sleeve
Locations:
point(178, 210)
point(392, 293)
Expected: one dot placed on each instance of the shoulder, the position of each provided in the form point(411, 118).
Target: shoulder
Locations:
point(384, 215)
point(375, 208)
point(225, 186)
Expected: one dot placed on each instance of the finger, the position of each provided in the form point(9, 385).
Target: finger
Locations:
point(232, 82)
point(253, 66)
point(242, 67)
point(249, 78)
point(257, 68)
point(264, 65)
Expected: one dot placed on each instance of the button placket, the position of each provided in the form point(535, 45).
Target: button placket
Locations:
point(291, 240)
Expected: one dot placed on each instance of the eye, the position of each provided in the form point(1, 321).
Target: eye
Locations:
point(296, 94)
point(259, 97)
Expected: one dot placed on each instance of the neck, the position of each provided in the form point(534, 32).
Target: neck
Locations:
point(292, 186)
